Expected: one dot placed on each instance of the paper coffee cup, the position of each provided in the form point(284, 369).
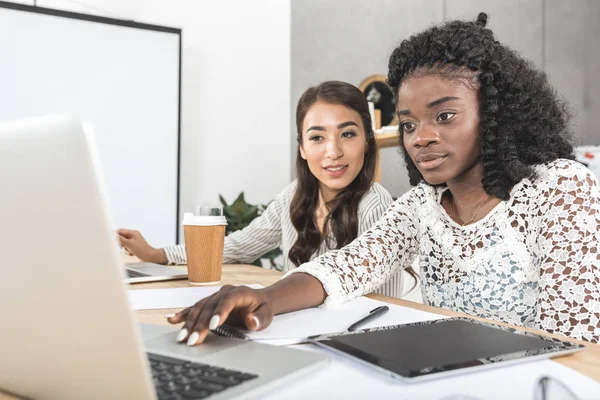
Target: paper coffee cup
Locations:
point(204, 238)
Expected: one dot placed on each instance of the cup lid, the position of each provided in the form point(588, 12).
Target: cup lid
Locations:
point(203, 220)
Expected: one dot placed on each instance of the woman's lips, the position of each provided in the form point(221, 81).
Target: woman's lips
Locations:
point(430, 162)
point(337, 171)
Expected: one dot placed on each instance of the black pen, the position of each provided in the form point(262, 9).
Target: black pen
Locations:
point(374, 313)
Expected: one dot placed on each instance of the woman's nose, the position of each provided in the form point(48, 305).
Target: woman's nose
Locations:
point(425, 136)
point(334, 151)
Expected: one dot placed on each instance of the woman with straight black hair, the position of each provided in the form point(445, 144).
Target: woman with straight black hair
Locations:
point(333, 200)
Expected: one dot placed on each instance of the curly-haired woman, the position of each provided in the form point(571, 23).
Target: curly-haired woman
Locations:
point(505, 224)
point(333, 200)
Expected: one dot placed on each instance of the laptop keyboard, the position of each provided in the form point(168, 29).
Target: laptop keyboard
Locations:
point(135, 274)
point(176, 379)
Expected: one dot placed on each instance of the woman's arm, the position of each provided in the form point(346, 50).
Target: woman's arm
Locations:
point(367, 262)
point(262, 235)
point(371, 208)
point(569, 286)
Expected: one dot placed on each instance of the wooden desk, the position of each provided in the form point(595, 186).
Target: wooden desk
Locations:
point(587, 361)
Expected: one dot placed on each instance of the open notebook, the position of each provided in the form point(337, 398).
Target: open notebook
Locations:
point(296, 327)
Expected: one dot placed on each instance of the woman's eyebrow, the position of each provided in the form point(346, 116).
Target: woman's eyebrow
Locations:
point(442, 100)
point(347, 123)
point(430, 105)
point(340, 126)
point(316, 128)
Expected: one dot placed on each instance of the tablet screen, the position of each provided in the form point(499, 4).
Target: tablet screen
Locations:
point(418, 349)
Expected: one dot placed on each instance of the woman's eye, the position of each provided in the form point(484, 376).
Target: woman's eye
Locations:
point(315, 138)
point(445, 116)
point(407, 127)
point(348, 134)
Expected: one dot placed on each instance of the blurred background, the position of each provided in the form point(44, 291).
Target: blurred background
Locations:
point(352, 39)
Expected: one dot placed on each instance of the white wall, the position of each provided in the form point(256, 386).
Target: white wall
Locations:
point(236, 91)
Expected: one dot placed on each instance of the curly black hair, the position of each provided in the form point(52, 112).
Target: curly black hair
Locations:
point(523, 122)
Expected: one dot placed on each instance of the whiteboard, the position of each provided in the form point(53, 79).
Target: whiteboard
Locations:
point(122, 77)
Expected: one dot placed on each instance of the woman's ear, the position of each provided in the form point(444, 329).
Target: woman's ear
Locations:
point(302, 154)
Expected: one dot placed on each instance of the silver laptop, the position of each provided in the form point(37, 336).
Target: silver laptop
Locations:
point(141, 272)
point(67, 329)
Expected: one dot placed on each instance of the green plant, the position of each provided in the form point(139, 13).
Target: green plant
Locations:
point(239, 214)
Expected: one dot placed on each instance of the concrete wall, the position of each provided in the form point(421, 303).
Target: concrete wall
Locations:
point(352, 39)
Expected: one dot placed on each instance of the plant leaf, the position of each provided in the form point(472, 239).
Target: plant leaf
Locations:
point(257, 263)
point(239, 205)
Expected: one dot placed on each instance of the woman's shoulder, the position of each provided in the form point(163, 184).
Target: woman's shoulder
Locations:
point(290, 189)
point(418, 199)
point(378, 191)
point(555, 183)
point(421, 195)
point(376, 198)
point(562, 174)
point(284, 198)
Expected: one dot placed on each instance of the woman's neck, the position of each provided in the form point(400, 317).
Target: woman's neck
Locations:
point(326, 194)
point(322, 211)
point(468, 201)
point(468, 186)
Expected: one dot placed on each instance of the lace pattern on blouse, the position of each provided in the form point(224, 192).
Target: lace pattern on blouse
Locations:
point(534, 260)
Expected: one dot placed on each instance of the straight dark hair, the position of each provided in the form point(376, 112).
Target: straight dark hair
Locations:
point(342, 218)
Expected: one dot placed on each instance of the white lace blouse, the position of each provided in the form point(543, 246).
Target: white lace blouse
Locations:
point(534, 260)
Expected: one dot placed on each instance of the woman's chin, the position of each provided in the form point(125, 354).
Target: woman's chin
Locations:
point(434, 179)
point(335, 185)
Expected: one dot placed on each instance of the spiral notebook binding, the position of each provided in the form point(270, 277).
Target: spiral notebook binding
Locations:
point(228, 331)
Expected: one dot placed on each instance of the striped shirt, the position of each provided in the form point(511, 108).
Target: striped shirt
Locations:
point(274, 229)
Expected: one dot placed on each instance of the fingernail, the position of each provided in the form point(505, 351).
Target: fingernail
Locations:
point(182, 335)
point(255, 318)
point(193, 339)
point(170, 315)
point(214, 322)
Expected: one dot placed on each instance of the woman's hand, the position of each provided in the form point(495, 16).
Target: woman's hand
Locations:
point(253, 308)
point(234, 305)
point(134, 243)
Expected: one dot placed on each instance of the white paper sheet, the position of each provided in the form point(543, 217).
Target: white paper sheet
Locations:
point(346, 379)
point(299, 325)
point(155, 299)
point(289, 328)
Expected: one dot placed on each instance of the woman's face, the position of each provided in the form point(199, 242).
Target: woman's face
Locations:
point(334, 145)
point(440, 121)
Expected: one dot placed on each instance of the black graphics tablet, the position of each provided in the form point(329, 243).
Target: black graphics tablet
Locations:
point(427, 350)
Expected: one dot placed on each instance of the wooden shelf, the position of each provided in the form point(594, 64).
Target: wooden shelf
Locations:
point(387, 139)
